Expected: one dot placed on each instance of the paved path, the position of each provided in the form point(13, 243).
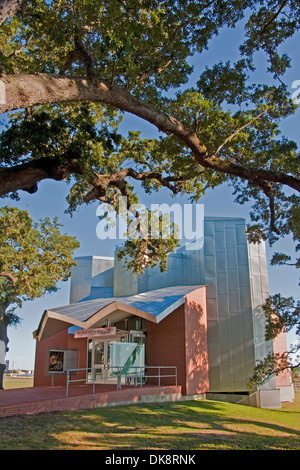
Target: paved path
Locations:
point(33, 400)
point(17, 396)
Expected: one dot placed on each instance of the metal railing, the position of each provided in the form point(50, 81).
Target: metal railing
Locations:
point(137, 375)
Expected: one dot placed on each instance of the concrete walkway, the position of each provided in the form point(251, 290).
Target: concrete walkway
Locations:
point(16, 396)
point(34, 400)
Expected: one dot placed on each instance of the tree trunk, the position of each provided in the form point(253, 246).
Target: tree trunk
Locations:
point(3, 348)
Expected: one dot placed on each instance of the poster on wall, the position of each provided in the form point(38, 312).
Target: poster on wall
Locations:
point(61, 361)
point(56, 361)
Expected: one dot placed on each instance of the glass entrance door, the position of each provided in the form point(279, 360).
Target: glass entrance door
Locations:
point(110, 356)
point(101, 360)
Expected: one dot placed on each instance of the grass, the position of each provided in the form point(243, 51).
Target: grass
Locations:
point(17, 382)
point(193, 425)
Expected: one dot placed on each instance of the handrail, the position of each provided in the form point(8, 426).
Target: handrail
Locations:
point(118, 374)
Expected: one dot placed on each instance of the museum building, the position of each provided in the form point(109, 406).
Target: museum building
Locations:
point(200, 323)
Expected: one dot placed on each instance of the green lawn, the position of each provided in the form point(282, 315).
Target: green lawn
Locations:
point(17, 382)
point(193, 425)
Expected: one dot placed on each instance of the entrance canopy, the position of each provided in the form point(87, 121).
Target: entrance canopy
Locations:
point(153, 306)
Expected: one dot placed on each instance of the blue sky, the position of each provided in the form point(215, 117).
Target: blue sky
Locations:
point(50, 201)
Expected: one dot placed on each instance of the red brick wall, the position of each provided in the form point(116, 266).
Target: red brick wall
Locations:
point(197, 366)
point(166, 346)
point(280, 347)
point(180, 340)
point(61, 340)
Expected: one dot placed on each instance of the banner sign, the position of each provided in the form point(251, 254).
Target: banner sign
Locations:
point(90, 333)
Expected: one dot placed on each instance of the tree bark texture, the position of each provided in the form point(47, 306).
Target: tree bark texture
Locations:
point(8, 8)
point(26, 176)
point(3, 349)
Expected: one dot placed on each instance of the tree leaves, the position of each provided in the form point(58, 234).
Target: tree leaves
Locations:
point(282, 314)
point(37, 255)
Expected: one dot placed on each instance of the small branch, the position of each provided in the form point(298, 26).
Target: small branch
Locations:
point(71, 58)
point(79, 53)
point(86, 58)
point(239, 130)
point(153, 71)
point(267, 189)
point(9, 276)
point(274, 17)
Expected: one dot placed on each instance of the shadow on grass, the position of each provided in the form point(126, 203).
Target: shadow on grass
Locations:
point(172, 426)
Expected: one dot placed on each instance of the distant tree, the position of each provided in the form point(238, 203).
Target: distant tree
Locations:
point(282, 315)
point(34, 257)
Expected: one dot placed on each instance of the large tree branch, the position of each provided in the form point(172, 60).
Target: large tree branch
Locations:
point(9, 276)
point(101, 182)
point(24, 90)
point(26, 176)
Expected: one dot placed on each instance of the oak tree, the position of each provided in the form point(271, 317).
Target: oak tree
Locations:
point(71, 70)
point(34, 257)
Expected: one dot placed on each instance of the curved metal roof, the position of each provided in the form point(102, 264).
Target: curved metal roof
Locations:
point(153, 305)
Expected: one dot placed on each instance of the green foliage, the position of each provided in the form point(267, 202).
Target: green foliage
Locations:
point(152, 237)
point(60, 131)
point(282, 315)
point(36, 255)
point(268, 366)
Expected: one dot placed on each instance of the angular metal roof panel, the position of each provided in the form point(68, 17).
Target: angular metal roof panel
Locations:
point(153, 305)
point(157, 302)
